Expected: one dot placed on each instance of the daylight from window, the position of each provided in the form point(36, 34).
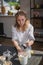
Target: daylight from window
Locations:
point(9, 7)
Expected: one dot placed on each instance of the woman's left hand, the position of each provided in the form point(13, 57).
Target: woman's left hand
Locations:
point(30, 43)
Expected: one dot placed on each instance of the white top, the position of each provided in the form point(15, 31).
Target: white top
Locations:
point(22, 37)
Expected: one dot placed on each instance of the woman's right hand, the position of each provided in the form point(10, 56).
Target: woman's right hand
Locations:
point(17, 46)
point(20, 51)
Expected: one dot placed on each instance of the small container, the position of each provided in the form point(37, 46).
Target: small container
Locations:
point(2, 58)
point(28, 52)
point(3, 10)
point(23, 59)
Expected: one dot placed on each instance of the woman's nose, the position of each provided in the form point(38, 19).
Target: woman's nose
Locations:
point(20, 21)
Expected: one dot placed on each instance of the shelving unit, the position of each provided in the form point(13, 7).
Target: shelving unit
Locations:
point(36, 17)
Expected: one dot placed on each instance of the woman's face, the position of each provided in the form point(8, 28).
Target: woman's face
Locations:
point(21, 20)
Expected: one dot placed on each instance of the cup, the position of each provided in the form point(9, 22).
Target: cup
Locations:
point(28, 52)
point(23, 59)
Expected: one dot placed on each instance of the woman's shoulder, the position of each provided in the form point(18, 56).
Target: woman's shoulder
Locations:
point(30, 25)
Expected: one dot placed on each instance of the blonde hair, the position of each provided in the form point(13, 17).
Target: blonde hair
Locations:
point(22, 13)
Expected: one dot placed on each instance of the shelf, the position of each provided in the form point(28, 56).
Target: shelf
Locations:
point(7, 15)
point(36, 8)
point(36, 18)
point(39, 39)
point(38, 34)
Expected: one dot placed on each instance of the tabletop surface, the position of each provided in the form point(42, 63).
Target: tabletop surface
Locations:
point(34, 60)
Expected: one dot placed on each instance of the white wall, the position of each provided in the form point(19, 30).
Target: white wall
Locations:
point(25, 5)
point(8, 22)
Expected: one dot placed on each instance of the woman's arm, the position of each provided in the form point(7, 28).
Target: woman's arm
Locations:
point(17, 46)
point(29, 43)
point(15, 38)
point(31, 39)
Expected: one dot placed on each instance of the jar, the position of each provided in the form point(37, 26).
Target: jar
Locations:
point(3, 10)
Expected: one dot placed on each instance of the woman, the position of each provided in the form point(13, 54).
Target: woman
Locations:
point(22, 32)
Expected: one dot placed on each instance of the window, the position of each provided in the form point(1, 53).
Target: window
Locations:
point(10, 0)
point(9, 7)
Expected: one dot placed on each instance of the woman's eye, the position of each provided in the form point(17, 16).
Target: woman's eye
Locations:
point(22, 19)
point(18, 20)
